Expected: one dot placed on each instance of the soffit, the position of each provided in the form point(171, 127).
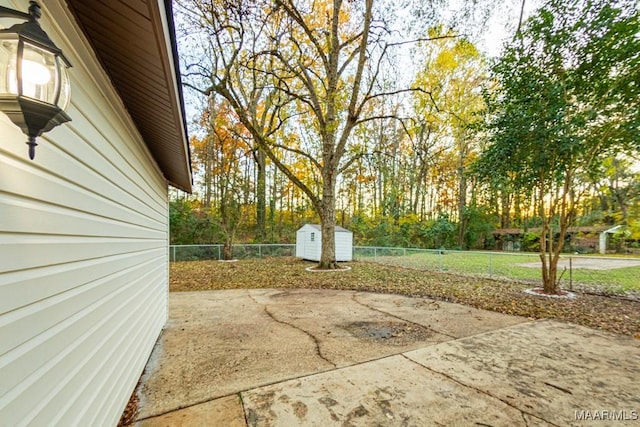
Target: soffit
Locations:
point(135, 42)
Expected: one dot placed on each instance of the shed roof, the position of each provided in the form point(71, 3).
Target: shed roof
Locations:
point(319, 228)
point(135, 42)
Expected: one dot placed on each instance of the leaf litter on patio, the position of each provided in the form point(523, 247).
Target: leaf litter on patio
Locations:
point(601, 312)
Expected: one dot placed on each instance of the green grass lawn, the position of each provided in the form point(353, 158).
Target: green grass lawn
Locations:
point(513, 266)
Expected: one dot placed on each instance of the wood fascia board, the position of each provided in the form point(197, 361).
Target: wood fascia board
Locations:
point(159, 9)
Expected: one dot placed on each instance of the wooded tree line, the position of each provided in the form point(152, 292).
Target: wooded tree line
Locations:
point(332, 112)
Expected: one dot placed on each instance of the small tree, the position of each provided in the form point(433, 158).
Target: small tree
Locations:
point(568, 96)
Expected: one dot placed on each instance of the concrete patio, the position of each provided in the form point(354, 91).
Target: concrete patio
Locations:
point(324, 357)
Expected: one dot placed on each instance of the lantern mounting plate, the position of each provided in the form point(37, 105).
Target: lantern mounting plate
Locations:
point(6, 12)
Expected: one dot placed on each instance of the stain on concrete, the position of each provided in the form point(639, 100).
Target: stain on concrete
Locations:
point(300, 410)
point(280, 294)
point(393, 333)
point(252, 417)
point(329, 403)
point(545, 369)
point(357, 412)
point(263, 409)
point(393, 391)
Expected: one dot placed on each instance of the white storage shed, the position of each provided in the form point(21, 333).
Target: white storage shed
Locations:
point(84, 228)
point(309, 243)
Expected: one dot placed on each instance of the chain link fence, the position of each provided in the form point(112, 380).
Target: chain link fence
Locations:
point(242, 251)
point(603, 275)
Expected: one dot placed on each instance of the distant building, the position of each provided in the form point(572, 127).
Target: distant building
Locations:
point(589, 239)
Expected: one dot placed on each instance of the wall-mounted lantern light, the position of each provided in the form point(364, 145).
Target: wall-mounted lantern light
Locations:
point(34, 85)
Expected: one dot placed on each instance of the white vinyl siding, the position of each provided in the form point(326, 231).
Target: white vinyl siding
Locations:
point(309, 243)
point(344, 246)
point(313, 245)
point(83, 254)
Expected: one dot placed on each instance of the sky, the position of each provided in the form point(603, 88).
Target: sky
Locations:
point(502, 24)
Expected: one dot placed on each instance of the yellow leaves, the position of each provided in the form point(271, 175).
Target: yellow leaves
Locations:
point(197, 143)
point(365, 179)
point(321, 16)
point(446, 61)
point(439, 31)
point(409, 219)
point(452, 72)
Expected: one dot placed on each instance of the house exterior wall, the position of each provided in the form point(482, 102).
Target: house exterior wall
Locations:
point(83, 253)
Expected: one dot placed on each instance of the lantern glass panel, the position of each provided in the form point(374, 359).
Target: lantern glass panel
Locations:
point(65, 86)
point(39, 70)
point(8, 70)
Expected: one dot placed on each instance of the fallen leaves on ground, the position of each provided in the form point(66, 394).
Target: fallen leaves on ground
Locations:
point(606, 313)
point(131, 410)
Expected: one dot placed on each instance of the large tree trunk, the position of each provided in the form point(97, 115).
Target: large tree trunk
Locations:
point(272, 208)
point(328, 219)
point(227, 253)
point(333, 94)
point(328, 255)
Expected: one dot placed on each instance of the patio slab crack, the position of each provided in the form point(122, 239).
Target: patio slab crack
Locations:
point(315, 340)
point(354, 298)
point(506, 402)
point(252, 297)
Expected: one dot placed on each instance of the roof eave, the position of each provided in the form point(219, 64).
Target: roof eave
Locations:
point(135, 43)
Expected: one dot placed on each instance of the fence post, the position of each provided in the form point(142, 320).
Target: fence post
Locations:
point(218, 247)
point(490, 265)
point(259, 250)
point(375, 253)
point(570, 273)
